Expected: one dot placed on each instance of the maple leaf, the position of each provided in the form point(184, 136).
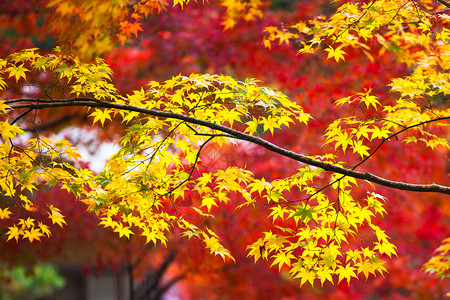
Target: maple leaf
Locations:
point(208, 202)
point(18, 72)
point(283, 258)
point(304, 213)
point(205, 179)
point(27, 223)
point(306, 275)
point(32, 234)
point(346, 272)
point(129, 28)
point(366, 267)
point(337, 53)
point(359, 148)
point(190, 230)
point(228, 23)
point(324, 274)
point(4, 213)
point(14, 232)
point(380, 133)
point(270, 123)
point(44, 229)
point(278, 211)
point(123, 231)
point(180, 2)
point(259, 185)
point(257, 249)
point(56, 216)
point(386, 248)
point(284, 37)
point(370, 100)
point(365, 214)
point(8, 131)
point(252, 126)
point(101, 115)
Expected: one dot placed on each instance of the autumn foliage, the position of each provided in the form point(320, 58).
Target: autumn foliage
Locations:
point(303, 147)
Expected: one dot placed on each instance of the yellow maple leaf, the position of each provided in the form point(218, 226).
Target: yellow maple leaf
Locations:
point(56, 216)
point(28, 223)
point(324, 274)
point(386, 248)
point(208, 202)
point(228, 23)
point(4, 213)
point(337, 53)
point(359, 148)
point(44, 229)
point(283, 258)
point(32, 234)
point(346, 272)
point(252, 126)
point(366, 267)
point(100, 115)
point(180, 2)
point(306, 275)
point(14, 232)
point(17, 72)
point(8, 131)
point(123, 231)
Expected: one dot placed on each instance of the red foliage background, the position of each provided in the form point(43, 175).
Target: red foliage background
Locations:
point(193, 40)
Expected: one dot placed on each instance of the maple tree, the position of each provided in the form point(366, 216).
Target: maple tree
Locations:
point(158, 182)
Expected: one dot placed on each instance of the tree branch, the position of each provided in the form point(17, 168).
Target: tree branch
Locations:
point(405, 128)
point(95, 103)
point(444, 3)
point(150, 287)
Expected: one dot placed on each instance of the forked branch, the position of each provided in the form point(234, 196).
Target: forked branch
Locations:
point(95, 103)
